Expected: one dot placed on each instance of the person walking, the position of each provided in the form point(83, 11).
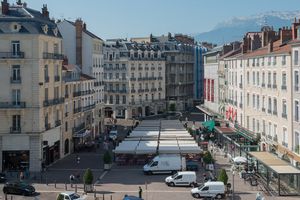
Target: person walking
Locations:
point(140, 192)
point(77, 159)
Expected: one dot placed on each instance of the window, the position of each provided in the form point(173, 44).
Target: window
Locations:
point(297, 142)
point(253, 100)
point(284, 136)
point(124, 99)
point(263, 102)
point(274, 79)
point(264, 126)
point(15, 48)
point(117, 99)
point(257, 101)
point(16, 123)
point(16, 73)
point(270, 129)
point(296, 57)
point(46, 76)
point(46, 94)
point(257, 78)
point(283, 80)
point(296, 110)
point(253, 124)
point(296, 80)
point(269, 105)
point(284, 109)
point(263, 78)
point(132, 75)
point(117, 75)
point(16, 97)
point(146, 97)
point(275, 130)
point(110, 75)
point(275, 106)
point(269, 78)
point(248, 97)
point(283, 59)
point(253, 78)
point(257, 126)
point(248, 77)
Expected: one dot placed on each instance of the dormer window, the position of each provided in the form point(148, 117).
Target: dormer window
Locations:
point(55, 31)
point(15, 27)
point(45, 28)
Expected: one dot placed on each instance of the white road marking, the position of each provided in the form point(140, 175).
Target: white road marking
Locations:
point(103, 174)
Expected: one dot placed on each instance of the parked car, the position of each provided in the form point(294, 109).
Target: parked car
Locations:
point(186, 178)
point(113, 135)
point(2, 178)
point(19, 188)
point(191, 166)
point(69, 195)
point(211, 189)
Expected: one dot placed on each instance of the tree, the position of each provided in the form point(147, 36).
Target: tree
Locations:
point(207, 158)
point(172, 107)
point(88, 177)
point(223, 176)
point(107, 158)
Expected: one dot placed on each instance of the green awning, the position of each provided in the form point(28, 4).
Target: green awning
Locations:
point(210, 125)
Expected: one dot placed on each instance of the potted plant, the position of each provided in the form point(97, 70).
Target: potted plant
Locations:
point(88, 180)
point(223, 176)
point(107, 160)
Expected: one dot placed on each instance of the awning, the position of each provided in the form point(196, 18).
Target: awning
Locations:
point(276, 164)
point(81, 135)
point(209, 124)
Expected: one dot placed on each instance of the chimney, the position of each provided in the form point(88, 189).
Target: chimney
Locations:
point(19, 3)
point(270, 46)
point(45, 11)
point(84, 26)
point(268, 34)
point(5, 7)
point(285, 34)
point(295, 26)
point(79, 28)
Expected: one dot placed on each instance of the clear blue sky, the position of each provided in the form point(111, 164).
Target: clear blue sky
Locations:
point(138, 18)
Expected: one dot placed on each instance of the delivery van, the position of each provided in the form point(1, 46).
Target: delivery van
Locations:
point(165, 163)
point(187, 178)
point(211, 189)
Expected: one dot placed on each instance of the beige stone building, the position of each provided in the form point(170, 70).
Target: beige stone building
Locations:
point(79, 108)
point(134, 76)
point(31, 100)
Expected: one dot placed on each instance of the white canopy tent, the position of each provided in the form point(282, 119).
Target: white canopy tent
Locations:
point(127, 147)
point(146, 147)
point(144, 134)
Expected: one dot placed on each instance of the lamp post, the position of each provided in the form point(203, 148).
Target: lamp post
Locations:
point(233, 174)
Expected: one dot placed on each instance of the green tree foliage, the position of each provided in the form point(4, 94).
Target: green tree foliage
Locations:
point(88, 177)
point(107, 158)
point(207, 158)
point(223, 176)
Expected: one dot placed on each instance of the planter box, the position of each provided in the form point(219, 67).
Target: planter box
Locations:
point(107, 166)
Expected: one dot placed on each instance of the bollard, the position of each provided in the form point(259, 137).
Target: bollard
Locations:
point(66, 188)
point(46, 180)
point(103, 197)
point(55, 184)
point(95, 196)
point(75, 188)
point(11, 197)
point(5, 196)
point(110, 197)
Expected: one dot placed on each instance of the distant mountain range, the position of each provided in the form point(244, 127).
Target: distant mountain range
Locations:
point(235, 28)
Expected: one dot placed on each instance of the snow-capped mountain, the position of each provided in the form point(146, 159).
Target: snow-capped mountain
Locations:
point(235, 28)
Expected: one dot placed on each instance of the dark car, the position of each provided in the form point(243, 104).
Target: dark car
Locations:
point(20, 188)
point(2, 178)
point(191, 166)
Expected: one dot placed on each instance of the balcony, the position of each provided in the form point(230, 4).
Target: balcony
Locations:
point(153, 89)
point(13, 105)
point(53, 102)
point(47, 126)
point(241, 85)
point(46, 79)
point(147, 90)
point(132, 79)
point(283, 87)
point(13, 55)
point(66, 96)
point(140, 79)
point(140, 68)
point(275, 112)
point(269, 111)
point(77, 110)
point(263, 85)
point(89, 107)
point(159, 68)
point(270, 137)
point(56, 78)
point(57, 123)
point(159, 89)
point(284, 115)
point(15, 80)
point(79, 129)
point(140, 90)
point(263, 133)
point(296, 88)
point(263, 109)
point(15, 130)
point(275, 139)
point(66, 114)
point(132, 103)
point(160, 78)
point(54, 56)
point(274, 86)
point(241, 105)
point(269, 85)
point(133, 91)
point(77, 94)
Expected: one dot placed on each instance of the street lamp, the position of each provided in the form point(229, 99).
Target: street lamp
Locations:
point(233, 174)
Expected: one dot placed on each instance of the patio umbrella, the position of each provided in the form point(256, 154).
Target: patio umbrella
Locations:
point(239, 159)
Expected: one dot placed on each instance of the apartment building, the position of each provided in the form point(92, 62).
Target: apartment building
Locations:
point(31, 100)
point(134, 76)
point(85, 49)
point(198, 72)
point(78, 90)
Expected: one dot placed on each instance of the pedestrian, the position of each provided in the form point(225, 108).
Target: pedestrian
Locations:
point(77, 159)
point(72, 177)
point(140, 192)
point(21, 176)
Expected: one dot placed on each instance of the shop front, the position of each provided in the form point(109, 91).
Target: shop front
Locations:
point(276, 174)
point(15, 160)
point(81, 139)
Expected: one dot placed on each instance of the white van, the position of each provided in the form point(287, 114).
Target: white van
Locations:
point(165, 163)
point(212, 189)
point(187, 178)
